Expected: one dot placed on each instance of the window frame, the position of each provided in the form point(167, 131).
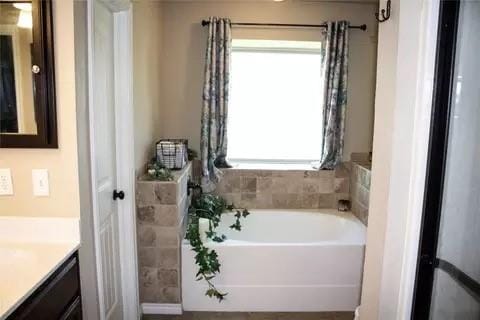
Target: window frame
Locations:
point(274, 46)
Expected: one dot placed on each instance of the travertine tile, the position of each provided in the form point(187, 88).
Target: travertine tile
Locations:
point(283, 189)
point(147, 257)
point(146, 236)
point(248, 200)
point(311, 173)
point(326, 185)
point(148, 277)
point(253, 173)
point(232, 184)
point(232, 198)
point(264, 184)
point(326, 200)
point(344, 316)
point(169, 295)
point(310, 185)
point(280, 185)
point(309, 201)
point(168, 278)
point(166, 236)
point(341, 196)
point(168, 258)
point(295, 185)
point(326, 174)
point(343, 170)
point(360, 157)
point(167, 215)
point(166, 193)
point(280, 200)
point(161, 212)
point(264, 200)
point(363, 196)
point(149, 294)
point(248, 184)
point(161, 215)
point(360, 212)
point(146, 214)
point(366, 178)
point(145, 193)
point(341, 185)
point(295, 201)
point(298, 174)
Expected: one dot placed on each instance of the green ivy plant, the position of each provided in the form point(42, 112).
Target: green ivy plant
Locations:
point(156, 170)
point(210, 207)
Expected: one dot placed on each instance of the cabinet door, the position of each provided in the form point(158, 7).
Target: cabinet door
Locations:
point(54, 297)
point(74, 311)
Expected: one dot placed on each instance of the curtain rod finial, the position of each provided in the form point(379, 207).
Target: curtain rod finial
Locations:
point(205, 23)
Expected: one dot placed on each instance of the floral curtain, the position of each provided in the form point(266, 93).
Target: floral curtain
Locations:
point(335, 71)
point(213, 142)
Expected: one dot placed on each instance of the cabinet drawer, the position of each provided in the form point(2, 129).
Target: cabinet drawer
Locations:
point(74, 311)
point(54, 297)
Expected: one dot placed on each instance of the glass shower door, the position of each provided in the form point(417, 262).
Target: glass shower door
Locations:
point(448, 281)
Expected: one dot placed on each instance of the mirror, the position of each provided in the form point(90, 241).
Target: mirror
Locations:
point(27, 99)
point(17, 112)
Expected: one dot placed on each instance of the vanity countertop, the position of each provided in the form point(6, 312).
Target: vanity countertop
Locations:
point(31, 249)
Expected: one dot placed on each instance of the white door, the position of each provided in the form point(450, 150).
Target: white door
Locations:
point(105, 163)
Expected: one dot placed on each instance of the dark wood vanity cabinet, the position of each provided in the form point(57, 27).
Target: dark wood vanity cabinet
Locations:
point(58, 298)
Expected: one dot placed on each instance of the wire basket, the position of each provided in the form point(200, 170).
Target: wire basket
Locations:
point(173, 153)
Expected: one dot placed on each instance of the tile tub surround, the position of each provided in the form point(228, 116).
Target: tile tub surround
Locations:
point(285, 189)
point(161, 214)
point(360, 175)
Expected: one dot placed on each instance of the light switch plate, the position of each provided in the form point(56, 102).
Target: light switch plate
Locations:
point(40, 182)
point(6, 186)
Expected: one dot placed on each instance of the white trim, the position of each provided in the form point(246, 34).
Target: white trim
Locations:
point(125, 148)
point(410, 141)
point(428, 40)
point(123, 61)
point(162, 308)
point(91, 109)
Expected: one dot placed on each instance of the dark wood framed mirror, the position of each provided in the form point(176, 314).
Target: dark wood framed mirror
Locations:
point(27, 78)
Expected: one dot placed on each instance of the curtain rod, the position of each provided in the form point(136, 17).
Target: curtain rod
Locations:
point(361, 27)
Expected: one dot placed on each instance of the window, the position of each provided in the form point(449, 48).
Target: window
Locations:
point(275, 107)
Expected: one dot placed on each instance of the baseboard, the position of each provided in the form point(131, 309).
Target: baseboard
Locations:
point(162, 308)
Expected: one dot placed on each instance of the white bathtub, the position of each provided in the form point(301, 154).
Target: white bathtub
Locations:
point(283, 260)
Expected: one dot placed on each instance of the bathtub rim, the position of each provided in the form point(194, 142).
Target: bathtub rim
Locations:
point(348, 215)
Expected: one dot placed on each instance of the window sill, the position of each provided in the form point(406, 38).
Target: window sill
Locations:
point(273, 166)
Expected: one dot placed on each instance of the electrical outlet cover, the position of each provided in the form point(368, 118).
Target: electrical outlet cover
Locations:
point(6, 186)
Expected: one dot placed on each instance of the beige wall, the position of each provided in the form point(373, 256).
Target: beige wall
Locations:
point(147, 27)
point(61, 162)
point(183, 45)
point(380, 183)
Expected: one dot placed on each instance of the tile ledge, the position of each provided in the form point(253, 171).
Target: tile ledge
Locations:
point(270, 167)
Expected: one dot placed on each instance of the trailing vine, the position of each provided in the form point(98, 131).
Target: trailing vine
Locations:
point(156, 170)
point(210, 207)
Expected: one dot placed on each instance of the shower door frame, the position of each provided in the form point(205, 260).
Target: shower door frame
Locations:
point(427, 260)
